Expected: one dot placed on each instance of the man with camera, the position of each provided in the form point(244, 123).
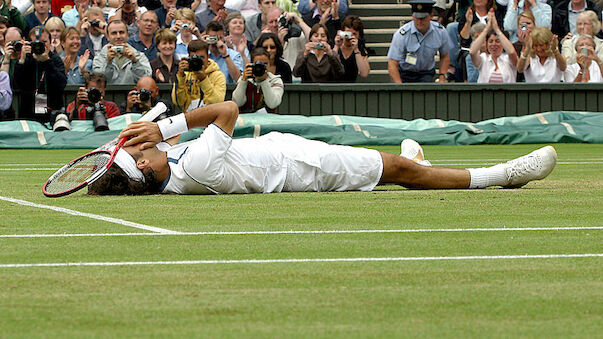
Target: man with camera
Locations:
point(229, 60)
point(253, 28)
point(39, 75)
point(129, 12)
point(143, 97)
point(291, 31)
point(92, 29)
point(121, 63)
point(258, 90)
point(90, 105)
point(39, 16)
point(199, 81)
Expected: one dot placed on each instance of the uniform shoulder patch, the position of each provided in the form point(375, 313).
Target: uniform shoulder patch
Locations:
point(402, 31)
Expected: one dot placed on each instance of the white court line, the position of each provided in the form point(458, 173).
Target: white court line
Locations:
point(425, 230)
point(308, 260)
point(88, 215)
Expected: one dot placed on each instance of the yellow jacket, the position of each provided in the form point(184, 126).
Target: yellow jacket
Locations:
point(188, 87)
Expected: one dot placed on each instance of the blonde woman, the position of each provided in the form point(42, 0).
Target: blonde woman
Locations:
point(587, 23)
point(185, 27)
point(55, 26)
point(76, 67)
point(540, 59)
point(589, 67)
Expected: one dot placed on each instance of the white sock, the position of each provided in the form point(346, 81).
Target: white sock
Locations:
point(488, 176)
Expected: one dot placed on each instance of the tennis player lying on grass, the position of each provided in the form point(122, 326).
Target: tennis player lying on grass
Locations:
point(276, 162)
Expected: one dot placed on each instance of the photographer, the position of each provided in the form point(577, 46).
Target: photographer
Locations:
point(349, 46)
point(40, 76)
point(258, 90)
point(326, 13)
point(143, 97)
point(287, 27)
point(254, 26)
point(86, 97)
point(118, 61)
point(318, 62)
point(229, 60)
point(199, 81)
point(130, 13)
point(92, 29)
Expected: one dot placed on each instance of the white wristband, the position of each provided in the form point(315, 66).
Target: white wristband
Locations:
point(173, 126)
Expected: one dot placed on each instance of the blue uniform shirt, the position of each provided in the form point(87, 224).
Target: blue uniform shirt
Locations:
point(408, 43)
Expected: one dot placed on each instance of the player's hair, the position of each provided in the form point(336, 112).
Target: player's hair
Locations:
point(186, 13)
point(214, 26)
point(259, 51)
point(197, 45)
point(116, 182)
point(165, 34)
point(267, 36)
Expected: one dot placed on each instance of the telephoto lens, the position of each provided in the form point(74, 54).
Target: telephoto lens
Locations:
point(60, 121)
point(99, 120)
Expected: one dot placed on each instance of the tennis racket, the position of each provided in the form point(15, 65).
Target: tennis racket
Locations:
point(89, 167)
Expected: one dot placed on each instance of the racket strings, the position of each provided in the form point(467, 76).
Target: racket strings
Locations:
point(77, 172)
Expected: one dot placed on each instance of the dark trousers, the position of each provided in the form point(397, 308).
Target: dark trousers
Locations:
point(421, 76)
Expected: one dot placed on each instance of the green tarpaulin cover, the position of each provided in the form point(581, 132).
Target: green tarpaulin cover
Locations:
point(546, 127)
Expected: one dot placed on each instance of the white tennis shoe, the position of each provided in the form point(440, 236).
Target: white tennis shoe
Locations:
point(411, 149)
point(534, 166)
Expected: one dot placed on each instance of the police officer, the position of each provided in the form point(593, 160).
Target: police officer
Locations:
point(411, 56)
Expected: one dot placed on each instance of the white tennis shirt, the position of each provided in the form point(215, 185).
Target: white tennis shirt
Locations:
point(275, 162)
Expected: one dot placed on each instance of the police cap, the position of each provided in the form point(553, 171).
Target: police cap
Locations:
point(421, 8)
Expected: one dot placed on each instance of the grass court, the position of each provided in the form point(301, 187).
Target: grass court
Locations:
point(390, 263)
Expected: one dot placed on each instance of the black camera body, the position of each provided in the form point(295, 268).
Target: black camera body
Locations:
point(258, 69)
point(144, 95)
point(94, 23)
point(294, 29)
point(94, 95)
point(17, 46)
point(38, 47)
point(195, 63)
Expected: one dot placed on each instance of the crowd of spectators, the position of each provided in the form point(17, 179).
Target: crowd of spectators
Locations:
point(199, 46)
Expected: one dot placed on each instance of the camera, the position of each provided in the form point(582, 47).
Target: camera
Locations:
point(195, 63)
point(294, 30)
point(118, 49)
point(94, 95)
point(94, 23)
point(319, 45)
point(211, 39)
point(38, 47)
point(185, 26)
point(144, 95)
point(17, 46)
point(345, 35)
point(524, 27)
point(97, 114)
point(258, 69)
point(59, 121)
point(584, 50)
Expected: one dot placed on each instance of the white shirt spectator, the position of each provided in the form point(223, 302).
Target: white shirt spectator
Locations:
point(571, 72)
point(487, 66)
point(549, 72)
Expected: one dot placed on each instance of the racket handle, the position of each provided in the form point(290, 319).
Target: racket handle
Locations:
point(154, 112)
